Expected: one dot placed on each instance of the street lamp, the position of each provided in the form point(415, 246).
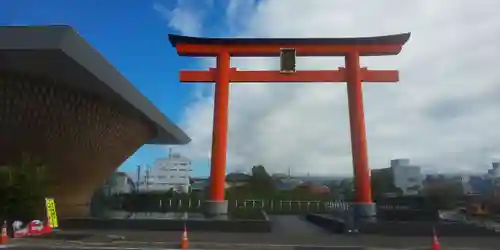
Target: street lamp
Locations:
point(209, 157)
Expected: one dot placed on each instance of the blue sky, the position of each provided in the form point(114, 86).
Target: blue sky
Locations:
point(132, 36)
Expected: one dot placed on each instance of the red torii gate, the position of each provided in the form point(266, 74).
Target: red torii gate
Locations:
point(352, 73)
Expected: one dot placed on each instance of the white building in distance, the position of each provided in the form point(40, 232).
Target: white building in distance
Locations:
point(407, 177)
point(401, 174)
point(172, 172)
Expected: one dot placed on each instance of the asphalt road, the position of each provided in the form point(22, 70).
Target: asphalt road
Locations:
point(293, 225)
point(263, 241)
point(128, 248)
point(253, 248)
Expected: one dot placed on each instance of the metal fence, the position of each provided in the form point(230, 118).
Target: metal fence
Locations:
point(270, 206)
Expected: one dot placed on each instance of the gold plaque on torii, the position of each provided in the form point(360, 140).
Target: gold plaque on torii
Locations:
point(288, 60)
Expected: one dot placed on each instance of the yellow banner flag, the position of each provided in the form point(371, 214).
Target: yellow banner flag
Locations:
point(50, 207)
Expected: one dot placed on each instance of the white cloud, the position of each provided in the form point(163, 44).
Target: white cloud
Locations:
point(443, 113)
point(187, 17)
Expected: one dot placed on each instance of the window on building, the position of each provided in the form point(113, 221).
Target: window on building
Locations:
point(412, 179)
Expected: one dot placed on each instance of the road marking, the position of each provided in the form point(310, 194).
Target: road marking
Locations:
point(211, 244)
point(451, 248)
point(111, 248)
point(233, 244)
point(206, 243)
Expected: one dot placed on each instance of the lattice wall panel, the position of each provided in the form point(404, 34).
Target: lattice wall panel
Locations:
point(81, 137)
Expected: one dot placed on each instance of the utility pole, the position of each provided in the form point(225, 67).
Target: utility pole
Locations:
point(138, 178)
point(147, 177)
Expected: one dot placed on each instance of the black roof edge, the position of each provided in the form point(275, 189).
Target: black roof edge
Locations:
point(381, 40)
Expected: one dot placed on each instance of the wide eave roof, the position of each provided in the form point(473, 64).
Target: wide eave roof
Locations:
point(376, 40)
point(58, 52)
point(397, 39)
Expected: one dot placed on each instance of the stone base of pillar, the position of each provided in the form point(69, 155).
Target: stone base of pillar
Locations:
point(364, 210)
point(216, 209)
point(358, 214)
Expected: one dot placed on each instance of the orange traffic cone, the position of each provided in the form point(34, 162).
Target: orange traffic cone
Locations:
point(185, 240)
point(4, 238)
point(435, 241)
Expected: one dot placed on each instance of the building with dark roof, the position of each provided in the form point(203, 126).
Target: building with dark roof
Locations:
point(63, 102)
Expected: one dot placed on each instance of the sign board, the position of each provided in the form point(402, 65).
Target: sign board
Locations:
point(50, 207)
point(287, 60)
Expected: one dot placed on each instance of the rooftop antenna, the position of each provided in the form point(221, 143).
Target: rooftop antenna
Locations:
point(148, 172)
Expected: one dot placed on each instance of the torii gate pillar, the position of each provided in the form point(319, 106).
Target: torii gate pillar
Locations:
point(350, 48)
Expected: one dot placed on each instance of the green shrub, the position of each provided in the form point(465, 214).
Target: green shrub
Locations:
point(23, 189)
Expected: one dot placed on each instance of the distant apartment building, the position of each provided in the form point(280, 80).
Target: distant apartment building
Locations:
point(118, 183)
point(494, 172)
point(172, 172)
point(493, 178)
point(401, 174)
point(485, 185)
point(407, 177)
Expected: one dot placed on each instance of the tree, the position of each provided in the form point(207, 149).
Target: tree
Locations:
point(382, 183)
point(238, 177)
point(261, 183)
point(347, 189)
point(25, 184)
point(444, 194)
point(335, 190)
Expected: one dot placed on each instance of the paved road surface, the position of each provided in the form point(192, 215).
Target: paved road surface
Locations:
point(293, 225)
point(254, 248)
point(240, 242)
point(125, 248)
